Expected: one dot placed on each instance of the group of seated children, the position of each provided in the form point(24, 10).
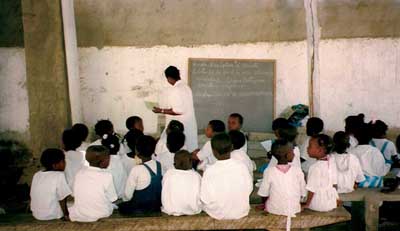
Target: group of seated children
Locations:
point(139, 175)
point(360, 156)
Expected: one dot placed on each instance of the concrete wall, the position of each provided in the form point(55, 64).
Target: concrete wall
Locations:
point(117, 80)
point(14, 109)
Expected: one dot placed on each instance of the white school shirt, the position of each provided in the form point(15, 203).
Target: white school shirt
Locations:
point(94, 193)
point(139, 179)
point(128, 164)
point(321, 177)
point(371, 160)
point(74, 161)
point(206, 156)
point(180, 99)
point(117, 170)
point(83, 146)
point(241, 156)
point(295, 162)
point(47, 189)
point(181, 192)
point(304, 154)
point(166, 160)
point(349, 171)
point(225, 190)
point(284, 190)
point(390, 149)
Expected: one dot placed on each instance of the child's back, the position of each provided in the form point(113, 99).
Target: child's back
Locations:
point(94, 189)
point(225, 190)
point(181, 192)
point(386, 147)
point(74, 160)
point(284, 189)
point(371, 160)
point(349, 171)
point(48, 188)
point(322, 177)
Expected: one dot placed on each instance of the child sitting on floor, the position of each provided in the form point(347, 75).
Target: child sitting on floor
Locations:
point(181, 187)
point(235, 123)
point(116, 168)
point(314, 127)
point(227, 184)
point(143, 187)
point(371, 159)
point(348, 166)
point(322, 175)
point(238, 140)
point(82, 131)
point(205, 154)
point(173, 126)
point(175, 142)
point(283, 185)
point(49, 189)
point(74, 159)
point(94, 190)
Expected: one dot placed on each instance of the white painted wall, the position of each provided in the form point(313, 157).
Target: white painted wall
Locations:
point(115, 81)
point(14, 107)
point(360, 75)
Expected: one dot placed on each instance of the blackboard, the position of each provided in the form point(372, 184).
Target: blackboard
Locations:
point(223, 86)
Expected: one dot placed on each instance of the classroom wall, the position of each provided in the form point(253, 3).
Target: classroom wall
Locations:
point(115, 81)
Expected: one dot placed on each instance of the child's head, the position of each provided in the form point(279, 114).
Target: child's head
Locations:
point(183, 160)
point(363, 134)
point(341, 142)
point(145, 147)
point(172, 74)
point(214, 127)
point(98, 156)
point(288, 133)
point(282, 150)
point(235, 121)
point(81, 130)
point(71, 141)
point(134, 122)
point(314, 126)
point(111, 142)
point(175, 126)
point(353, 123)
point(238, 139)
point(222, 146)
point(131, 138)
point(279, 123)
point(103, 127)
point(379, 129)
point(319, 146)
point(175, 141)
point(53, 159)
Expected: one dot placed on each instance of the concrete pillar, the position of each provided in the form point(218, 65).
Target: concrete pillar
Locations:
point(47, 83)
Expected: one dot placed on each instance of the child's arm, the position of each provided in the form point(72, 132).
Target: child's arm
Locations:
point(165, 111)
point(310, 196)
point(64, 208)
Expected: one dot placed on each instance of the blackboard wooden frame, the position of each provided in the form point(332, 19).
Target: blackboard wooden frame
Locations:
point(273, 61)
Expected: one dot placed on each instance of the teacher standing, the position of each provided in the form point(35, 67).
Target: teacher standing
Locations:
point(180, 103)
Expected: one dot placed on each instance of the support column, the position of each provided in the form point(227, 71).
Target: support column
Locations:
point(47, 83)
